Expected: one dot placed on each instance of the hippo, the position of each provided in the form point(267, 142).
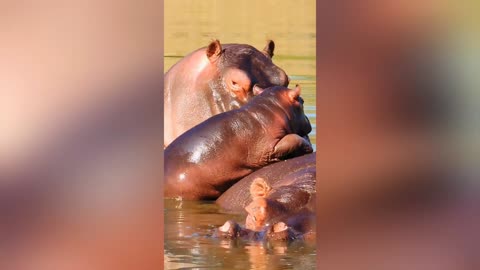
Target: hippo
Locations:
point(216, 79)
point(284, 213)
point(206, 160)
point(285, 173)
point(292, 203)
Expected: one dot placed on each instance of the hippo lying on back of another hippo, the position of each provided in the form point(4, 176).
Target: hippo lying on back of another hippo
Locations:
point(206, 160)
point(216, 79)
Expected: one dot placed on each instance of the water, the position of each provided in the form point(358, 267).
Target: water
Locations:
point(189, 245)
point(190, 25)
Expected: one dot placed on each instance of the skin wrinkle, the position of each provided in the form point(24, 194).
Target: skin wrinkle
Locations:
point(222, 84)
point(216, 98)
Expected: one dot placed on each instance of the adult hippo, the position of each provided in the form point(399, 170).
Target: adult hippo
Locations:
point(206, 160)
point(279, 174)
point(216, 79)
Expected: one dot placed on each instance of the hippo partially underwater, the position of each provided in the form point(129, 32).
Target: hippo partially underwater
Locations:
point(279, 201)
point(206, 160)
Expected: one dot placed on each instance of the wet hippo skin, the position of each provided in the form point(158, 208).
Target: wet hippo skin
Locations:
point(206, 160)
point(283, 173)
point(292, 203)
point(284, 213)
point(215, 79)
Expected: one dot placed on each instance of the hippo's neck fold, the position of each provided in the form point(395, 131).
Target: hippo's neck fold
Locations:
point(220, 98)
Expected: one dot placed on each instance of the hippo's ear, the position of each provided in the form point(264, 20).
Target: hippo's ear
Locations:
point(259, 188)
point(269, 48)
point(293, 94)
point(214, 50)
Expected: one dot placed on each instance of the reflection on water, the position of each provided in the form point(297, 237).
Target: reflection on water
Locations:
point(190, 25)
point(189, 245)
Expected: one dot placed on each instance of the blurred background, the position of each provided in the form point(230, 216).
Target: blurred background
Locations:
point(190, 25)
point(398, 134)
point(80, 134)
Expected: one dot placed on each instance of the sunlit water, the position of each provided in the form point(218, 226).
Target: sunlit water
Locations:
point(190, 25)
point(189, 244)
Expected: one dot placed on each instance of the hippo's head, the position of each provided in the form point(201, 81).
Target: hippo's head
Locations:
point(244, 70)
point(299, 123)
point(261, 209)
point(290, 102)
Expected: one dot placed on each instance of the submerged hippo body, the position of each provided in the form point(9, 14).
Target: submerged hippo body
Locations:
point(213, 80)
point(283, 192)
point(206, 160)
point(284, 173)
point(286, 212)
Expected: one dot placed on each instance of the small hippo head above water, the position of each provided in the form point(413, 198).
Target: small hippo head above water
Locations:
point(244, 70)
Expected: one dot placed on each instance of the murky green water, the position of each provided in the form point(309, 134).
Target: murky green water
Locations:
point(190, 25)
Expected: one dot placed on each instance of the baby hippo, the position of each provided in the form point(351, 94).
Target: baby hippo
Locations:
point(209, 158)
